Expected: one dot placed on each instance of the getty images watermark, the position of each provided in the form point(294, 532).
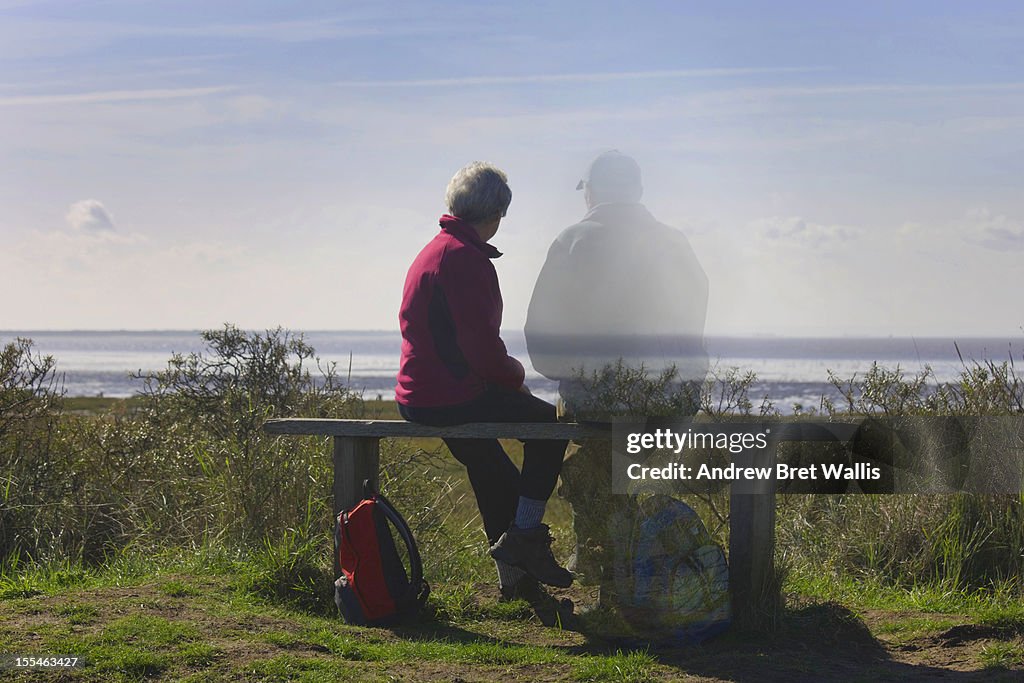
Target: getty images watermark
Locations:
point(733, 442)
point(854, 455)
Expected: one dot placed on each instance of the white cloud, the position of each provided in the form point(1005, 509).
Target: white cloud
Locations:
point(796, 230)
point(993, 231)
point(90, 216)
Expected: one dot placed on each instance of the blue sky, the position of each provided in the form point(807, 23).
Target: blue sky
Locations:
point(841, 168)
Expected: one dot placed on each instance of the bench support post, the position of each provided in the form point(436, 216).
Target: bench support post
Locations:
point(752, 536)
point(355, 458)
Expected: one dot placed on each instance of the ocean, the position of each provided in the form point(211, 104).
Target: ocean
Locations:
point(789, 371)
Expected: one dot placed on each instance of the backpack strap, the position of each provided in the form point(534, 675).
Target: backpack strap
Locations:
point(419, 590)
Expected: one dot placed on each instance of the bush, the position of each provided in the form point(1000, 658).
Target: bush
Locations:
point(30, 477)
point(958, 541)
point(189, 465)
point(208, 409)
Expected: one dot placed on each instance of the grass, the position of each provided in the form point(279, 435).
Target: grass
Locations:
point(78, 615)
point(912, 628)
point(144, 625)
point(134, 646)
point(199, 615)
point(632, 667)
point(1000, 607)
point(1002, 655)
point(177, 589)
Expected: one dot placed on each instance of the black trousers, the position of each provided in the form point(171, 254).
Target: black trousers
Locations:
point(496, 482)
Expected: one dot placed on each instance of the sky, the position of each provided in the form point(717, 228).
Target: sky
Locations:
point(841, 168)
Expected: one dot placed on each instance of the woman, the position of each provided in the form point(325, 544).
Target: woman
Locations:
point(456, 369)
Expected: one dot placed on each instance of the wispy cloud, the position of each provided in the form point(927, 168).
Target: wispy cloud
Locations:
point(36, 37)
point(993, 231)
point(794, 230)
point(111, 96)
point(595, 77)
point(895, 88)
point(298, 31)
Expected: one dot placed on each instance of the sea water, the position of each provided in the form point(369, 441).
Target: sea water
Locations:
point(789, 371)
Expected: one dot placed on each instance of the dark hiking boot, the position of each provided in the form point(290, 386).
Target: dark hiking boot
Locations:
point(523, 589)
point(530, 550)
point(549, 610)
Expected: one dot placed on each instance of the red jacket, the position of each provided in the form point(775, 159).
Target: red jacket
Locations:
point(451, 320)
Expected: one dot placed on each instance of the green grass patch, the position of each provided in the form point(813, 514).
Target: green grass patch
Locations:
point(19, 580)
point(177, 589)
point(128, 568)
point(291, 667)
point(477, 650)
point(999, 606)
point(148, 631)
point(906, 629)
point(281, 639)
point(631, 667)
point(78, 615)
point(198, 654)
point(1002, 655)
point(134, 647)
point(460, 602)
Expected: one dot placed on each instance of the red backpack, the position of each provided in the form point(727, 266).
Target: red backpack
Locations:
point(373, 586)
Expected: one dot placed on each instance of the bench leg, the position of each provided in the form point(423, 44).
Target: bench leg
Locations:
point(751, 536)
point(355, 459)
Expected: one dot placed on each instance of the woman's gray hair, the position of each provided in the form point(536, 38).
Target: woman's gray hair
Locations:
point(478, 191)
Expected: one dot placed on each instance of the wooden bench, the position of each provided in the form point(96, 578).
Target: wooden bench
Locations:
point(751, 506)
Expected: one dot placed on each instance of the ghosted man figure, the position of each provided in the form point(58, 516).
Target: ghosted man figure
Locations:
point(617, 315)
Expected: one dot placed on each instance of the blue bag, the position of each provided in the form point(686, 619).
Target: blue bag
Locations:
point(672, 583)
